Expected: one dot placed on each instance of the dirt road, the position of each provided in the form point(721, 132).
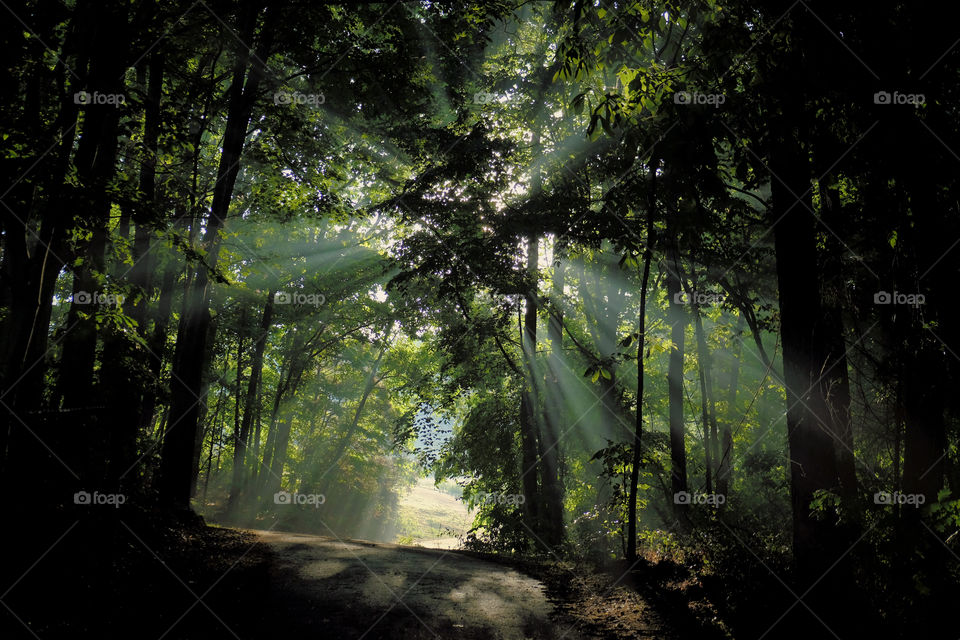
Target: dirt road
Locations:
point(324, 588)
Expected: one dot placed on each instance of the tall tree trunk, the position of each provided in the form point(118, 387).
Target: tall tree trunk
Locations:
point(147, 215)
point(641, 340)
point(240, 472)
point(202, 415)
point(529, 428)
point(96, 165)
point(157, 344)
point(924, 443)
point(122, 391)
point(177, 454)
point(834, 368)
point(29, 271)
point(550, 451)
point(291, 373)
point(95, 160)
point(157, 351)
point(263, 470)
point(237, 398)
point(706, 400)
point(926, 371)
point(678, 321)
point(214, 435)
point(812, 452)
point(725, 465)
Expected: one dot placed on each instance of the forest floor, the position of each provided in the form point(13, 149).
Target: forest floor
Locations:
point(355, 589)
point(376, 590)
point(137, 576)
point(657, 600)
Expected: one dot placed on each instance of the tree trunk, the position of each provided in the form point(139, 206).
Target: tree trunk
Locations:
point(706, 400)
point(177, 454)
point(925, 440)
point(678, 321)
point(529, 428)
point(95, 162)
point(238, 484)
point(641, 340)
point(141, 273)
point(834, 368)
point(157, 343)
point(552, 425)
point(927, 377)
point(121, 390)
point(214, 421)
point(28, 274)
point(725, 465)
point(812, 452)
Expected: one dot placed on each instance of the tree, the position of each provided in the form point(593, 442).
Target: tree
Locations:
point(176, 470)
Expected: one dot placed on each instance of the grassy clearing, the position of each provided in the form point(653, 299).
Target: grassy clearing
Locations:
point(432, 517)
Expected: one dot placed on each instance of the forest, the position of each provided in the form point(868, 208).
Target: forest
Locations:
point(656, 292)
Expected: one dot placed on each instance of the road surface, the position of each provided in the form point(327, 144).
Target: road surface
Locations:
point(325, 588)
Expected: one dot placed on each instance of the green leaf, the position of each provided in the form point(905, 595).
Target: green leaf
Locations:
point(605, 123)
point(578, 102)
